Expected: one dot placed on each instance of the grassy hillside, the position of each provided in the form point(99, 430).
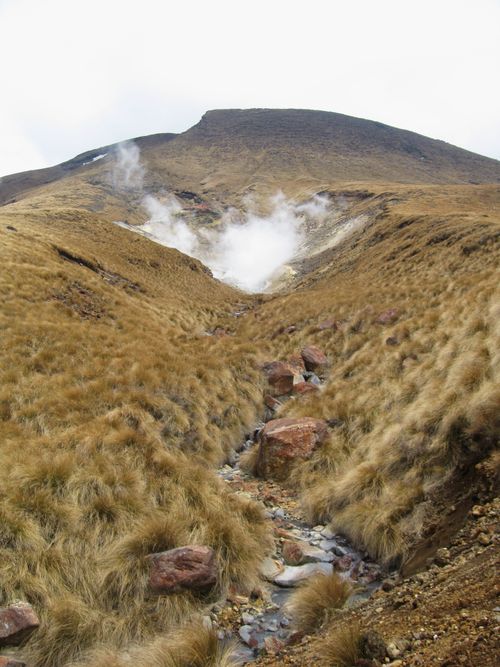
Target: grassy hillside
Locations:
point(117, 403)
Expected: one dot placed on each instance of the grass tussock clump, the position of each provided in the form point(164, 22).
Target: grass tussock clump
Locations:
point(312, 604)
point(191, 646)
point(342, 647)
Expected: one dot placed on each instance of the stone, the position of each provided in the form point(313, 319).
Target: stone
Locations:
point(284, 441)
point(6, 661)
point(328, 533)
point(388, 316)
point(305, 388)
point(270, 569)
point(192, 567)
point(328, 324)
point(314, 359)
point(295, 553)
point(17, 622)
point(247, 618)
point(272, 403)
point(273, 645)
point(327, 545)
point(292, 576)
point(281, 377)
point(392, 340)
point(442, 557)
point(246, 634)
point(343, 563)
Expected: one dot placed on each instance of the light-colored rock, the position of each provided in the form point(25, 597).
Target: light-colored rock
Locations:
point(328, 533)
point(246, 634)
point(270, 569)
point(292, 576)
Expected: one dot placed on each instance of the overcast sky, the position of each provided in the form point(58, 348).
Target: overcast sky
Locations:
point(77, 74)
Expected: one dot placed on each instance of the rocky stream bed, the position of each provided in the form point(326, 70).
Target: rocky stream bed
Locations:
point(260, 622)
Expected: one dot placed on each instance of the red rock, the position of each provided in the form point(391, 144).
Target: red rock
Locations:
point(271, 402)
point(283, 441)
point(314, 358)
point(281, 377)
point(305, 388)
point(17, 622)
point(192, 567)
point(328, 324)
point(296, 363)
point(388, 316)
point(10, 662)
point(343, 563)
point(273, 645)
point(292, 553)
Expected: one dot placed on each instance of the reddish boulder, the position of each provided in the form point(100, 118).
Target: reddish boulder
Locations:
point(191, 567)
point(305, 388)
point(17, 622)
point(281, 377)
point(5, 661)
point(314, 359)
point(271, 402)
point(296, 363)
point(388, 316)
point(283, 441)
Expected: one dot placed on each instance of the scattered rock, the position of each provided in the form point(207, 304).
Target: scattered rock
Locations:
point(10, 662)
point(270, 569)
point(343, 564)
point(292, 576)
point(392, 340)
point(283, 441)
point(388, 316)
point(327, 533)
point(304, 388)
point(273, 645)
point(247, 635)
point(295, 553)
point(442, 557)
point(17, 622)
point(272, 403)
point(281, 377)
point(314, 358)
point(191, 567)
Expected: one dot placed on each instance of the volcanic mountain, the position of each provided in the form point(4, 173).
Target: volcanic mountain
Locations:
point(129, 375)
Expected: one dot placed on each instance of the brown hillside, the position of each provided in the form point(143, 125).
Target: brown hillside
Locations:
point(118, 402)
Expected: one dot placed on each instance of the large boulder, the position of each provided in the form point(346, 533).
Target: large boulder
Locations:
point(282, 376)
point(284, 441)
point(17, 622)
point(314, 358)
point(192, 567)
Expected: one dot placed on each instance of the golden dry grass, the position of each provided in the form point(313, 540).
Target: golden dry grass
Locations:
point(115, 405)
point(115, 408)
point(412, 417)
point(316, 599)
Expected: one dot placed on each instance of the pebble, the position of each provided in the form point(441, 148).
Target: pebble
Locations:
point(247, 618)
point(293, 575)
point(328, 533)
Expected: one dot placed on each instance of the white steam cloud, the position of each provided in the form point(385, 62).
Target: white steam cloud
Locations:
point(166, 225)
point(247, 250)
point(128, 172)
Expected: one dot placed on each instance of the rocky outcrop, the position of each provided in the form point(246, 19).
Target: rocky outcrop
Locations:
point(17, 622)
point(191, 567)
point(314, 359)
point(283, 441)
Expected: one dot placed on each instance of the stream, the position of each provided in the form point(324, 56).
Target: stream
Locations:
point(265, 627)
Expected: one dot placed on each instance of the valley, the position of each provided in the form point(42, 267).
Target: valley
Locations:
point(363, 347)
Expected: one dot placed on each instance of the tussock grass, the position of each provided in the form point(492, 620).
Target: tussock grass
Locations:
point(342, 647)
point(412, 416)
point(315, 600)
point(112, 420)
point(191, 646)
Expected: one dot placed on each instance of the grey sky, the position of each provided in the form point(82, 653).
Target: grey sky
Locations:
point(79, 74)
